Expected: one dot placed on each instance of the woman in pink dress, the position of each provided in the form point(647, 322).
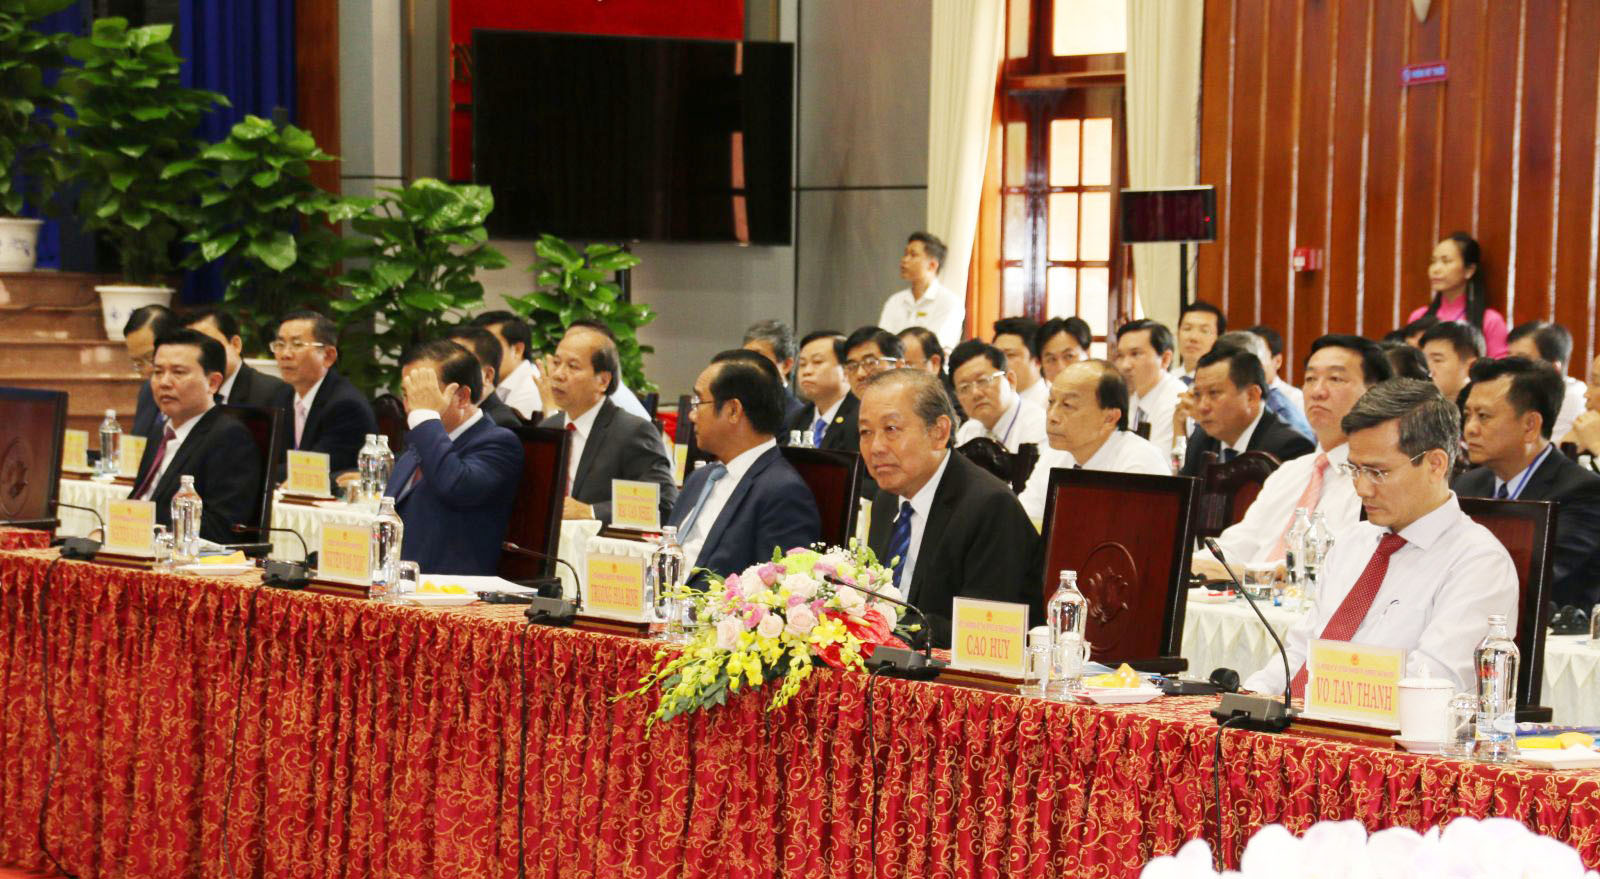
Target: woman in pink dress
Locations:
point(1459, 293)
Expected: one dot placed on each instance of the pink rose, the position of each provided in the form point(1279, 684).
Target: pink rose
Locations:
point(771, 626)
point(754, 615)
point(768, 573)
point(728, 631)
point(801, 621)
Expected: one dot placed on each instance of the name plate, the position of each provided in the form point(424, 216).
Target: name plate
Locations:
point(75, 450)
point(344, 555)
point(1354, 683)
point(615, 587)
point(129, 453)
point(680, 461)
point(989, 636)
point(635, 506)
point(308, 474)
point(130, 528)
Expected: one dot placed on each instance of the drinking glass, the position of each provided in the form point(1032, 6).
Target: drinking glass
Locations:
point(407, 575)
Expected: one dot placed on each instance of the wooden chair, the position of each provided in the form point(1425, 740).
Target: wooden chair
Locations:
point(536, 517)
point(391, 415)
point(266, 426)
point(1527, 529)
point(835, 480)
point(1012, 468)
point(651, 402)
point(31, 436)
point(1128, 537)
point(1227, 490)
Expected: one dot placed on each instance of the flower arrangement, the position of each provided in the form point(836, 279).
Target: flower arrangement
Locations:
point(769, 623)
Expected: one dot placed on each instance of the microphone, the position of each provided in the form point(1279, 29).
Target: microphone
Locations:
point(279, 573)
point(550, 610)
point(1260, 713)
point(82, 548)
point(900, 662)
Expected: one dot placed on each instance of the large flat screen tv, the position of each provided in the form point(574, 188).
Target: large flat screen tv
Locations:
point(30, 455)
point(627, 138)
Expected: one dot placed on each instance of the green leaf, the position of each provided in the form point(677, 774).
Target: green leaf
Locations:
point(557, 251)
point(174, 169)
point(213, 249)
point(151, 113)
point(252, 128)
point(228, 150)
point(121, 179)
point(615, 262)
point(276, 252)
point(264, 179)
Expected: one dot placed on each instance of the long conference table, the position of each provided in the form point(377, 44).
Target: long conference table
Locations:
point(212, 727)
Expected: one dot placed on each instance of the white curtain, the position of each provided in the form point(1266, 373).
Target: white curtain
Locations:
point(968, 41)
point(1164, 45)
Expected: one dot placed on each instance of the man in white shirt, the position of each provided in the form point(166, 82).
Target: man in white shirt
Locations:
point(994, 410)
point(519, 378)
point(1014, 337)
point(1144, 354)
point(1451, 348)
point(1274, 340)
point(1539, 340)
point(1200, 324)
point(926, 303)
point(1088, 420)
point(1061, 342)
point(1339, 370)
point(1418, 574)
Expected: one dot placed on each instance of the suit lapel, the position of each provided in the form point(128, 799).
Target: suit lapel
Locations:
point(836, 434)
point(731, 508)
point(191, 447)
point(950, 488)
point(240, 392)
point(330, 385)
point(1541, 484)
point(399, 482)
point(591, 446)
point(1264, 431)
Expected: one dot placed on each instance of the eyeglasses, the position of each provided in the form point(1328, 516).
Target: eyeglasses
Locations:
point(977, 384)
point(696, 401)
point(140, 364)
point(869, 364)
point(1376, 475)
point(278, 346)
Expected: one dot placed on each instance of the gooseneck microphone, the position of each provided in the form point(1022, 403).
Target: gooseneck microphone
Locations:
point(279, 573)
point(82, 548)
point(900, 662)
point(550, 610)
point(1260, 713)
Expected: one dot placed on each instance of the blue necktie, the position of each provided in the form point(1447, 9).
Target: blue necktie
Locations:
point(1188, 380)
point(716, 471)
point(817, 430)
point(1229, 455)
point(1502, 493)
point(900, 540)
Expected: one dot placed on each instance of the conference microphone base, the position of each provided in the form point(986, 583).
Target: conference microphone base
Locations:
point(79, 548)
point(1259, 713)
point(285, 575)
point(900, 662)
point(547, 611)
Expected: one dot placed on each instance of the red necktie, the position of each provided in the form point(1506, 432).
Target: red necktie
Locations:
point(1344, 622)
point(572, 432)
point(149, 479)
point(1308, 499)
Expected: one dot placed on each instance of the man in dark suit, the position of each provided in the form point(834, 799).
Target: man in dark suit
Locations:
point(1511, 410)
point(830, 416)
point(139, 335)
point(486, 348)
point(455, 484)
point(734, 513)
point(606, 442)
point(954, 529)
point(1228, 385)
point(326, 412)
point(242, 384)
point(196, 439)
point(774, 340)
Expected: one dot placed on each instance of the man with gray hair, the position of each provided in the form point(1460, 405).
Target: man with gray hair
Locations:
point(944, 525)
point(774, 340)
point(1418, 574)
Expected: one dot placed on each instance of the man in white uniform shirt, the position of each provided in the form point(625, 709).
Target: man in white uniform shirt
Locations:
point(1538, 340)
point(1418, 574)
point(1088, 421)
point(926, 303)
point(1144, 354)
point(1339, 370)
point(519, 378)
point(1014, 337)
point(993, 408)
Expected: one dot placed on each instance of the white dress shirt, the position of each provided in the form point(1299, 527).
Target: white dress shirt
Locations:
point(717, 498)
point(1021, 422)
point(1572, 405)
point(179, 434)
point(1038, 394)
point(1435, 602)
point(520, 390)
point(921, 505)
point(939, 310)
point(1253, 538)
point(1156, 408)
point(1122, 452)
point(580, 436)
point(1295, 395)
point(625, 400)
point(418, 416)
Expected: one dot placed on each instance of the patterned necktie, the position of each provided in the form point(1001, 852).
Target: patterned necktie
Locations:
point(1308, 499)
point(817, 430)
point(149, 481)
point(900, 540)
point(300, 413)
point(1347, 619)
point(1138, 418)
point(713, 473)
point(572, 434)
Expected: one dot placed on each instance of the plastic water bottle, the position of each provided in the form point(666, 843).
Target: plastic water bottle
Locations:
point(1314, 551)
point(1293, 543)
point(662, 580)
point(388, 533)
point(110, 446)
point(1180, 448)
point(367, 464)
point(1066, 615)
point(186, 514)
point(1497, 657)
point(385, 466)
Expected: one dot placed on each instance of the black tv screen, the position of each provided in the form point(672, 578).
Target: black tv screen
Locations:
point(1178, 213)
point(627, 138)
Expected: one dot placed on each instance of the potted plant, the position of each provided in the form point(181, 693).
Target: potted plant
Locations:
point(425, 244)
point(25, 134)
point(268, 224)
point(131, 118)
point(578, 286)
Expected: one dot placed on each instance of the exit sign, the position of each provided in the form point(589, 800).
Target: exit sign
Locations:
point(1417, 74)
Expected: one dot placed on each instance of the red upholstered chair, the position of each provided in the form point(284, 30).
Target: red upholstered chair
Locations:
point(1527, 529)
point(835, 480)
point(536, 517)
point(1128, 537)
point(1227, 490)
point(266, 425)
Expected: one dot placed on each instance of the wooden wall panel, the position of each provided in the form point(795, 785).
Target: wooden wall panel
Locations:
point(1312, 141)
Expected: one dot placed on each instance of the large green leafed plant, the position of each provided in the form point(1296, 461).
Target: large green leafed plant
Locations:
point(26, 57)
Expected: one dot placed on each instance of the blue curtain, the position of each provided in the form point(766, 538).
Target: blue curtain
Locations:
point(73, 20)
point(243, 49)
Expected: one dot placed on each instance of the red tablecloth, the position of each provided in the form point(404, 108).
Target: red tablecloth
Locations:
point(23, 538)
point(384, 741)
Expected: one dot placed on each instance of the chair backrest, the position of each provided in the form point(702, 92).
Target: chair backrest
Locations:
point(266, 426)
point(835, 479)
point(685, 437)
point(1227, 490)
point(536, 516)
point(651, 402)
point(391, 415)
point(1527, 529)
point(1012, 468)
point(1128, 537)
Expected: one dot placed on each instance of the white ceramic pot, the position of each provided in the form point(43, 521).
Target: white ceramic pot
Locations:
point(265, 365)
point(19, 243)
point(117, 301)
